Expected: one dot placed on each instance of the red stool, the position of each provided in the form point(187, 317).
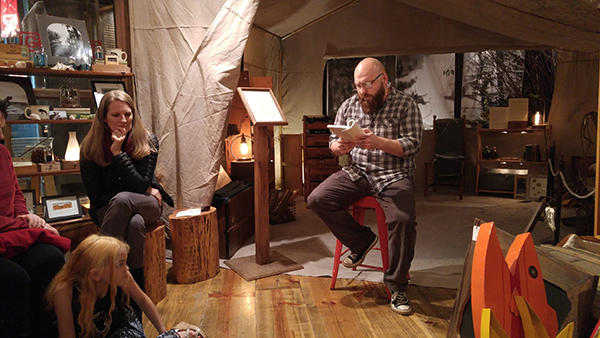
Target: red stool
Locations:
point(358, 212)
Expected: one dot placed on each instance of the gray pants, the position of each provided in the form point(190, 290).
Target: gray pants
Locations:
point(125, 217)
point(398, 203)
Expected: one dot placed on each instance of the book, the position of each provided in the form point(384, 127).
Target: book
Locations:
point(347, 132)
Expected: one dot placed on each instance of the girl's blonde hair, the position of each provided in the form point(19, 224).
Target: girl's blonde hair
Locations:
point(94, 252)
point(92, 144)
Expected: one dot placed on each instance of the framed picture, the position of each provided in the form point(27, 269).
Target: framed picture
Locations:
point(262, 106)
point(64, 38)
point(99, 88)
point(29, 199)
point(58, 208)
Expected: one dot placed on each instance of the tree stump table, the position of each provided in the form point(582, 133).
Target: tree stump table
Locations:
point(195, 242)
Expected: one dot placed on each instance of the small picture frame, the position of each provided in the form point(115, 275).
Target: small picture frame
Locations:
point(29, 195)
point(99, 88)
point(61, 207)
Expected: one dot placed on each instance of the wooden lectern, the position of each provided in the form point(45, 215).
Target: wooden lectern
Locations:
point(264, 111)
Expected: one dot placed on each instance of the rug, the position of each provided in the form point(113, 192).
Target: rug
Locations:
point(444, 230)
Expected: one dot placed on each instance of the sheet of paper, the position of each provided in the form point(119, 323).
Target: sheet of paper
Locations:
point(189, 212)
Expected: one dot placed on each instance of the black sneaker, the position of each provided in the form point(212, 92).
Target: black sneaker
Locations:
point(400, 303)
point(354, 260)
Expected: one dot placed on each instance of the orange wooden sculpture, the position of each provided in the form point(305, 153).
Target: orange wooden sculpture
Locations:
point(496, 280)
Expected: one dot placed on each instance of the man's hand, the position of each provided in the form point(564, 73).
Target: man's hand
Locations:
point(342, 147)
point(369, 140)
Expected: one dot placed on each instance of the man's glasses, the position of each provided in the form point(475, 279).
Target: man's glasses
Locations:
point(365, 85)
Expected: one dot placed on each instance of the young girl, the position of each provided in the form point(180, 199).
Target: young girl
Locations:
point(90, 295)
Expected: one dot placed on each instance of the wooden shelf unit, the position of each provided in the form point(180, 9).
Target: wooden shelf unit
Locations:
point(509, 163)
point(319, 161)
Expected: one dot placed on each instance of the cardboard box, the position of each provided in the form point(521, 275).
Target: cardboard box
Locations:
point(111, 68)
point(48, 166)
point(13, 51)
point(24, 170)
point(69, 165)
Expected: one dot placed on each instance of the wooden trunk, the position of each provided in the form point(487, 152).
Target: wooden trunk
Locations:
point(155, 269)
point(195, 241)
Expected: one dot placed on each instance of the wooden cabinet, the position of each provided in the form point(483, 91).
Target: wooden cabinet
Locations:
point(510, 167)
point(319, 161)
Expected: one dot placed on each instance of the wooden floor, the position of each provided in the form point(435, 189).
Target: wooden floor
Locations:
point(297, 306)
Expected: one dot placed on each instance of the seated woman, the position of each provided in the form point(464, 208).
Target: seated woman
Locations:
point(118, 157)
point(29, 257)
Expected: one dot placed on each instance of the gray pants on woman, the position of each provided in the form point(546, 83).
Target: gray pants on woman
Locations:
point(397, 200)
point(125, 217)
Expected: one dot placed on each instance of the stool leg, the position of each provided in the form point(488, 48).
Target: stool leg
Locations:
point(336, 263)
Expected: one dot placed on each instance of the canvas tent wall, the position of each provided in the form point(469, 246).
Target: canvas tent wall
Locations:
point(290, 40)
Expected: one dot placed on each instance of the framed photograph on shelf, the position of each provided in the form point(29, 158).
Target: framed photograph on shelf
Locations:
point(62, 207)
point(64, 39)
point(99, 88)
point(29, 199)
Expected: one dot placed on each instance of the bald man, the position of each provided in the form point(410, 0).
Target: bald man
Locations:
point(381, 164)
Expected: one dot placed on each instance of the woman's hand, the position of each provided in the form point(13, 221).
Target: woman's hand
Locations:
point(118, 137)
point(36, 221)
point(154, 192)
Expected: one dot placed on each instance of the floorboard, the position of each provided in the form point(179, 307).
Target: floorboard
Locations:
point(298, 306)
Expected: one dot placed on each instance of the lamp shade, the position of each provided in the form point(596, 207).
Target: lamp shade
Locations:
point(72, 153)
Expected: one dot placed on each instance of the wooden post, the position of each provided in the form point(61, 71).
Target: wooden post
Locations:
point(261, 194)
point(155, 269)
point(195, 242)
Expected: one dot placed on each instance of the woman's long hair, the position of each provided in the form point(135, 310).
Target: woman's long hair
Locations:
point(94, 252)
point(92, 144)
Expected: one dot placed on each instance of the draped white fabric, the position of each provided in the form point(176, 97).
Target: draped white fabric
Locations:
point(186, 77)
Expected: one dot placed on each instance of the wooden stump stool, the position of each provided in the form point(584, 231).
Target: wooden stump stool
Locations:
point(195, 241)
point(155, 260)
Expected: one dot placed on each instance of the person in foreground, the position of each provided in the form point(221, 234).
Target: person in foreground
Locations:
point(118, 158)
point(90, 295)
point(381, 164)
point(31, 253)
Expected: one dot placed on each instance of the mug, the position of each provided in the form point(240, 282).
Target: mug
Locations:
point(41, 111)
point(118, 52)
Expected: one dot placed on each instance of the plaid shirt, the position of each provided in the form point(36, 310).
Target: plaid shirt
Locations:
point(399, 119)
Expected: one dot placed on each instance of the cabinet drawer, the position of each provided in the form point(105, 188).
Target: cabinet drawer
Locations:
point(312, 152)
point(315, 162)
point(317, 140)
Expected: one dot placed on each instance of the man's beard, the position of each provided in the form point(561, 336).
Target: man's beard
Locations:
point(375, 103)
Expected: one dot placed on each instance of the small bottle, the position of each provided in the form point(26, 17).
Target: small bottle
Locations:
point(494, 154)
point(485, 153)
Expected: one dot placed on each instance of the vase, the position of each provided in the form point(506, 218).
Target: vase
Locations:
point(72, 153)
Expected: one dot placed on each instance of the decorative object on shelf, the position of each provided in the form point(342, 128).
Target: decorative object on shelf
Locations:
point(63, 38)
point(119, 53)
point(37, 112)
point(494, 154)
point(485, 153)
point(69, 97)
point(57, 208)
point(71, 160)
point(242, 148)
point(102, 87)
